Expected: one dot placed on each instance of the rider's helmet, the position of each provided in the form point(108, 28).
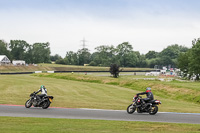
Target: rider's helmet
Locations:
point(42, 86)
point(148, 89)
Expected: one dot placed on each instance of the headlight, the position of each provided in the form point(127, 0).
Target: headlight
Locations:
point(133, 99)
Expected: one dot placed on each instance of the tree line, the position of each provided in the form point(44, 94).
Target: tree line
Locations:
point(21, 50)
point(187, 59)
point(123, 55)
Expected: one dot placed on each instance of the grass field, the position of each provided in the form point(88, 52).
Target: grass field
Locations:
point(31, 68)
point(53, 125)
point(95, 91)
point(58, 67)
point(175, 90)
point(84, 91)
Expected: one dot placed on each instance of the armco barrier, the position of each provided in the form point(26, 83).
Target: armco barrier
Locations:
point(103, 71)
point(50, 71)
point(38, 71)
point(16, 73)
point(9, 73)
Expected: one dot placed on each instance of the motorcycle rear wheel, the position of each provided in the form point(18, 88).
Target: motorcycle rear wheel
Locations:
point(28, 103)
point(131, 109)
point(153, 110)
point(46, 104)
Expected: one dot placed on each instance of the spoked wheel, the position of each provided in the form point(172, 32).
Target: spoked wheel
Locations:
point(131, 109)
point(46, 104)
point(28, 103)
point(153, 110)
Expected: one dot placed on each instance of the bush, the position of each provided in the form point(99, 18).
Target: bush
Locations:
point(114, 70)
point(62, 61)
point(92, 63)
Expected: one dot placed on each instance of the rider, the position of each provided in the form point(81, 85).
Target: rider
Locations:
point(43, 91)
point(149, 95)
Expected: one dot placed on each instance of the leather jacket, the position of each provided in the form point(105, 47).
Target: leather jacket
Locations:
point(148, 93)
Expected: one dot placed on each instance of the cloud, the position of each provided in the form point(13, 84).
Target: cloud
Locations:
point(147, 25)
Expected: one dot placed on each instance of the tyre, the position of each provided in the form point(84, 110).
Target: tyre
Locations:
point(131, 109)
point(28, 103)
point(153, 110)
point(46, 104)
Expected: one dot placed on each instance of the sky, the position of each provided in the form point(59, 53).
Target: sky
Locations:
point(145, 24)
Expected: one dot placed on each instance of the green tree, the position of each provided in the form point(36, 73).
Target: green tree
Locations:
point(104, 56)
point(55, 57)
point(126, 55)
point(169, 55)
point(141, 60)
point(152, 62)
point(114, 70)
point(4, 50)
point(183, 62)
point(18, 49)
point(62, 61)
point(29, 55)
point(83, 56)
point(40, 53)
point(72, 58)
point(189, 62)
point(151, 55)
point(194, 58)
point(95, 59)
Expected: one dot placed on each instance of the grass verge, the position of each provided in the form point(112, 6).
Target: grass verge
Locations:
point(15, 89)
point(54, 125)
point(59, 67)
point(177, 90)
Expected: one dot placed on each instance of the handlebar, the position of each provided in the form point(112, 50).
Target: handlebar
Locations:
point(33, 93)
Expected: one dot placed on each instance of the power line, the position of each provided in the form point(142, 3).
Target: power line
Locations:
point(84, 43)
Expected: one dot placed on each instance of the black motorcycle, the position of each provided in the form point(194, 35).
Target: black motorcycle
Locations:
point(36, 102)
point(149, 107)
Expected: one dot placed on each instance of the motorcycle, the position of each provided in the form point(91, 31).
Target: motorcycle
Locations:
point(149, 107)
point(44, 102)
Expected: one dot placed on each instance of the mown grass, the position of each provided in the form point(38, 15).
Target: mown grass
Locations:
point(177, 90)
point(15, 89)
point(30, 68)
point(99, 93)
point(97, 68)
point(59, 67)
point(53, 125)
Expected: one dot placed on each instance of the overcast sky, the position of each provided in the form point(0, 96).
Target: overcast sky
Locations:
point(145, 24)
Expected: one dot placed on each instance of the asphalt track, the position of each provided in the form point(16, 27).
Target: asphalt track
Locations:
point(98, 114)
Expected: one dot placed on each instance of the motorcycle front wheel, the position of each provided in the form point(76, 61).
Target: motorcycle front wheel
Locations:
point(131, 109)
point(28, 103)
point(153, 110)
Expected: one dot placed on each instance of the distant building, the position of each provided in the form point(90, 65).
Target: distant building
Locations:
point(4, 60)
point(18, 62)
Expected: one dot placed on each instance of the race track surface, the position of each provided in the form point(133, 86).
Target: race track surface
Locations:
point(21, 111)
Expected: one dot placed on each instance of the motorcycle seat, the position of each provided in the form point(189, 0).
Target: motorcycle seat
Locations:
point(152, 101)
